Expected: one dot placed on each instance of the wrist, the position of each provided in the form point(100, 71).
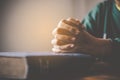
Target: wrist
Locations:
point(104, 46)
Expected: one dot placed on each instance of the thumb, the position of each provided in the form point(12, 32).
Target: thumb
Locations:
point(81, 27)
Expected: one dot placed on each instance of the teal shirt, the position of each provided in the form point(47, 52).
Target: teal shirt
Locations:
point(105, 18)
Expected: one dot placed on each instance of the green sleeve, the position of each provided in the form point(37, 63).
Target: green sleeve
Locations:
point(95, 23)
point(92, 20)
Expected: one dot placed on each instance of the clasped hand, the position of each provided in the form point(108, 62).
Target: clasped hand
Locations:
point(70, 36)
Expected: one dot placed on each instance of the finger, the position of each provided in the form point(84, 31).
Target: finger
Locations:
point(58, 50)
point(64, 47)
point(68, 31)
point(77, 22)
point(70, 28)
point(63, 32)
point(57, 42)
point(60, 42)
point(69, 23)
point(81, 27)
point(54, 32)
point(70, 50)
point(65, 38)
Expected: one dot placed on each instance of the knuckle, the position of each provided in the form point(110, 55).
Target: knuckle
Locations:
point(74, 21)
point(59, 30)
point(54, 31)
point(64, 39)
point(54, 42)
point(54, 50)
point(63, 31)
point(73, 38)
point(57, 42)
point(70, 18)
point(74, 30)
point(62, 21)
point(57, 36)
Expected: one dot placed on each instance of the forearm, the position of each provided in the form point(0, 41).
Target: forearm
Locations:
point(95, 46)
point(104, 46)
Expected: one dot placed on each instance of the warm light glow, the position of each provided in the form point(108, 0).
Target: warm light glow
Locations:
point(28, 24)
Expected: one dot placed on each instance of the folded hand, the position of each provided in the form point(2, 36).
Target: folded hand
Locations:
point(70, 36)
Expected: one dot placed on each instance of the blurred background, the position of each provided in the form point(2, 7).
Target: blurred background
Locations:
point(26, 25)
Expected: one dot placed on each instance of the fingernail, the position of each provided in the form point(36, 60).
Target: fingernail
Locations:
point(72, 45)
point(73, 38)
